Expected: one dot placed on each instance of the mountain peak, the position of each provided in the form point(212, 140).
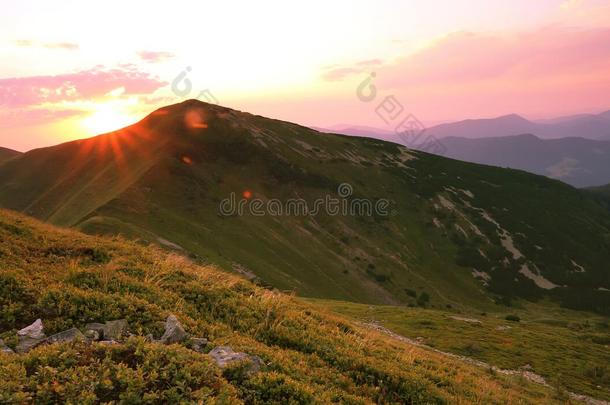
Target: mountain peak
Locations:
point(512, 118)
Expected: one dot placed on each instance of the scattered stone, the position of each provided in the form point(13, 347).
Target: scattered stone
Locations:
point(174, 332)
point(115, 330)
point(225, 356)
point(31, 336)
point(4, 348)
point(526, 367)
point(66, 336)
point(503, 327)
point(92, 335)
point(469, 320)
point(98, 328)
point(198, 344)
point(108, 342)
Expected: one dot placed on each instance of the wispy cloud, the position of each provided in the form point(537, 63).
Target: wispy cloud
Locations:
point(336, 73)
point(84, 85)
point(36, 116)
point(68, 46)
point(547, 71)
point(155, 56)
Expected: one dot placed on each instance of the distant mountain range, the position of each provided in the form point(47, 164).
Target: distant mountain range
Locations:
point(591, 126)
point(574, 149)
point(576, 161)
point(455, 233)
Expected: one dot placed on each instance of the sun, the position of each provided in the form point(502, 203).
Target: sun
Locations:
point(107, 118)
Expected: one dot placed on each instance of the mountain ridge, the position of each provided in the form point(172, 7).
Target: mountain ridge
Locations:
point(453, 224)
point(577, 161)
point(591, 126)
point(6, 154)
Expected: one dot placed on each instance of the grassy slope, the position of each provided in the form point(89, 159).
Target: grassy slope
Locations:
point(568, 348)
point(146, 191)
point(602, 193)
point(69, 279)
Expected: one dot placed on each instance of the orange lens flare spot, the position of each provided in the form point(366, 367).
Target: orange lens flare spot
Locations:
point(195, 119)
point(247, 194)
point(187, 160)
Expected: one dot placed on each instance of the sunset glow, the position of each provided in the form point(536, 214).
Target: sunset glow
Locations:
point(107, 118)
point(444, 60)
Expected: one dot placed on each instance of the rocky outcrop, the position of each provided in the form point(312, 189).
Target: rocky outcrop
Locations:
point(94, 331)
point(174, 332)
point(198, 344)
point(115, 330)
point(224, 356)
point(30, 336)
point(66, 336)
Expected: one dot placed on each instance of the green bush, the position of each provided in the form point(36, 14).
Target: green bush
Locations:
point(134, 372)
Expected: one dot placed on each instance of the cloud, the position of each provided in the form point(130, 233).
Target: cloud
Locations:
point(544, 72)
point(23, 43)
point(464, 57)
point(335, 73)
point(68, 46)
point(29, 117)
point(84, 85)
point(155, 57)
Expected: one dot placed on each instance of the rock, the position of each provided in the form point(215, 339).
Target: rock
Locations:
point(108, 342)
point(98, 328)
point(149, 338)
point(225, 356)
point(198, 344)
point(66, 336)
point(92, 335)
point(174, 332)
point(31, 336)
point(4, 348)
point(115, 330)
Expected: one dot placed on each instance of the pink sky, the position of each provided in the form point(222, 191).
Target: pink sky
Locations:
point(72, 74)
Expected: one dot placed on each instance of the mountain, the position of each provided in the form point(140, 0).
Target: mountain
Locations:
point(358, 130)
point(576, 161)
point(602, 193)
point(451, 233)
point(6, 154)
point(583, 126)
point(305, 356)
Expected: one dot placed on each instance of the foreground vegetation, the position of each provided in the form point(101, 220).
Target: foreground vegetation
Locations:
point(569, 349)
point(69, 279)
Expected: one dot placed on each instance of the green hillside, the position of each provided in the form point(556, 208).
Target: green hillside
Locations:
point(309, 357)
point(602, 193)
point(462, 235)
point(565, 347)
